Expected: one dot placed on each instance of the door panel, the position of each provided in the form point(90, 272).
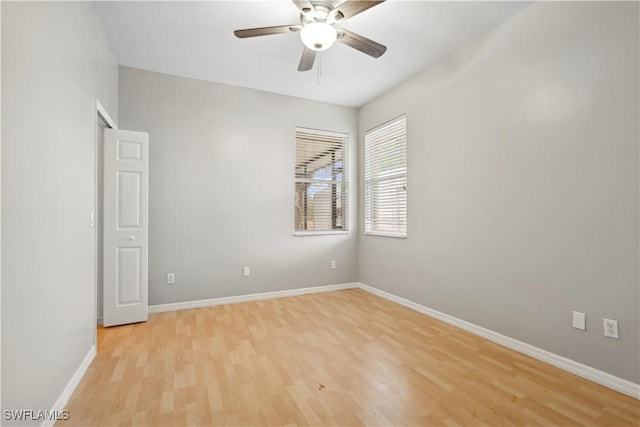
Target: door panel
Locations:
point(129, 150)
point(129, 276)
point(129, 200)
point(125, 236)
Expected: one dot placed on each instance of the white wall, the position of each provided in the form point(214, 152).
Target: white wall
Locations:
point(221, 192)
point(523, 183)
point(55, 62)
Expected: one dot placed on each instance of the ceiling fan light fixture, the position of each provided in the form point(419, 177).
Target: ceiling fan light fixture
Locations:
point(318, 35)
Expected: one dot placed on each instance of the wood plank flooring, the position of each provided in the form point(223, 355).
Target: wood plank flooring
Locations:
point(342, 358)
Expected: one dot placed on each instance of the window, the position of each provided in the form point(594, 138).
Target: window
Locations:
point(385, 179)
point(321, 182)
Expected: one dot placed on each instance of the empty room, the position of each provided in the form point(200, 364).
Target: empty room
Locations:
point(320, 212)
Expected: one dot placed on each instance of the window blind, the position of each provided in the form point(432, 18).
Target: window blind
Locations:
point(320, 181)
point(385, 179)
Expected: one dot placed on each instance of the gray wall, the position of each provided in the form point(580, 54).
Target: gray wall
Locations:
point(221, 188)
point(523, 183)
point(55, 62)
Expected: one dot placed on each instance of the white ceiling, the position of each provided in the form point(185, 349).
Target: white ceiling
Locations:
point(195, 39)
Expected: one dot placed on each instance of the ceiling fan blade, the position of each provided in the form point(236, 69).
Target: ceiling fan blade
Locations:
point(307, 60)
point(351, 8)
point(266, 31)
point(360, 43)
point(304, 6)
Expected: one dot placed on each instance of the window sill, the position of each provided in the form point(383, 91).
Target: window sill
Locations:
point(318, 233)
point(383, 234)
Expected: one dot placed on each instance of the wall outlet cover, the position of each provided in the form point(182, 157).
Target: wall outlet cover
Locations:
point(610, 328)
point(579, 320)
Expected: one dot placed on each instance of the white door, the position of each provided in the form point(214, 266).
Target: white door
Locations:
point(126, 230)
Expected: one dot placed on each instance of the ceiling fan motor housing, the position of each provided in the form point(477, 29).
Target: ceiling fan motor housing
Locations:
point(319, 13)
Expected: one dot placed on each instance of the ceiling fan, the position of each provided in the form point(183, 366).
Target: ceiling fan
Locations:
point(317, 29)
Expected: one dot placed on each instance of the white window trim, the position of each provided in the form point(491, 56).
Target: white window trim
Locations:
point(319, 233)
point(388, 233)
point(345, 181)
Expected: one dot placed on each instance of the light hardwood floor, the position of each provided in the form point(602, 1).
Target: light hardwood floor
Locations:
point(339, 358)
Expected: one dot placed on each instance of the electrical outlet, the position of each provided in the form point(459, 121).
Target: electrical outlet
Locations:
point(246, 271)
point(610, 328)
point(171, 278)
point(333, 264)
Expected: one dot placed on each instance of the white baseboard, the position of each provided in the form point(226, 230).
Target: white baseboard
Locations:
point(71, 385)
point(592, 374)
point(251, 297)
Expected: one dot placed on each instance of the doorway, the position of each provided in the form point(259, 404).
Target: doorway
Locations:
point(120, 222)
point(103, 121)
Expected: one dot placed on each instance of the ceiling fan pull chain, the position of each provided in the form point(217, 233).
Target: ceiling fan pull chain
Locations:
point(319, 68)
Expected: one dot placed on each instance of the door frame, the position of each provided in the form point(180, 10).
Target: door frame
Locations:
point(101, 114)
